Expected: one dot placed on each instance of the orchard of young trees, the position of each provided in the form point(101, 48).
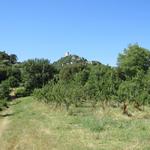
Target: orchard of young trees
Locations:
point(74, 81)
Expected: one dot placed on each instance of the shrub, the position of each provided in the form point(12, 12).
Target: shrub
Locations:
point(4, 90)
point(20, 92)
point(13, 82)
point(3, 104)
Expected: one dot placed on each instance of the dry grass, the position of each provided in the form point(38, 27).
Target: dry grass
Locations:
point(35, 126)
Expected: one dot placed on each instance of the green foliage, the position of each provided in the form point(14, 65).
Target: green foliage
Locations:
point(60, 93)
point(133, 59)
point(13, 82)
point(125, 90)
point(102, 84)
point(68, 72)
point(36, 73)
point(15, 72)
point(82, 76)
point(69, 60)
point(3, 73)
point(20, 92)
point(13, 58)
point(6, 59)
point(4, 90)
point(73, 80)
point(3, 104)
point(7, 67)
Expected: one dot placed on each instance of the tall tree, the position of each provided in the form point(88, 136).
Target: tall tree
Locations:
point(36, 73)
point(134, 58)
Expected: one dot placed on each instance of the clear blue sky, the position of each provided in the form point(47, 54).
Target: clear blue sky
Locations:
point(94, 29)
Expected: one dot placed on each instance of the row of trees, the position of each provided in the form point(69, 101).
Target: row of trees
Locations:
point(20, 79)
point(97, 83)
point(73, 81)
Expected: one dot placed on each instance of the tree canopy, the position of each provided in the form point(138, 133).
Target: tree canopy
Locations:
point(134, 58)
point(73, 80)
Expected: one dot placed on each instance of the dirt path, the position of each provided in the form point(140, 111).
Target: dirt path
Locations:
point(3, 125)
point(4, 121)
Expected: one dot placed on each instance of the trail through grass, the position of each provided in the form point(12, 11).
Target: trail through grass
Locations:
point(32, 125)
point(3, 125)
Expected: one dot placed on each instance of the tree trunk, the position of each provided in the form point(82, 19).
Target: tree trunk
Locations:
point(125, 108)
point(103, 105)
point(137, 106)
point(67, 106)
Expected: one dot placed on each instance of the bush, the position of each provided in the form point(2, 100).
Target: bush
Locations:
point(4, 90)
point(3, 104)
point(20, 92)
point(13, 82)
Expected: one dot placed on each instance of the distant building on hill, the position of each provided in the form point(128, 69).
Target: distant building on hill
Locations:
point(67, 54)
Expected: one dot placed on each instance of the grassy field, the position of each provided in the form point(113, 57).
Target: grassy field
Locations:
point(30, 125)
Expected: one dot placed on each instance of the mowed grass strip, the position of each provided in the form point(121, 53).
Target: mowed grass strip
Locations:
point(36, 126)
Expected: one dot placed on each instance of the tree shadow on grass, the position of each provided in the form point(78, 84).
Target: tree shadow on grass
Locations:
point(7, 115)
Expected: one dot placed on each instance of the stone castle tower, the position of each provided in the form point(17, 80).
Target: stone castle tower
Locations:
point(67, 54)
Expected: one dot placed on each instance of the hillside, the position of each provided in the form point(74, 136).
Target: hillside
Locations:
point(71, 59)
point(6, 59)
